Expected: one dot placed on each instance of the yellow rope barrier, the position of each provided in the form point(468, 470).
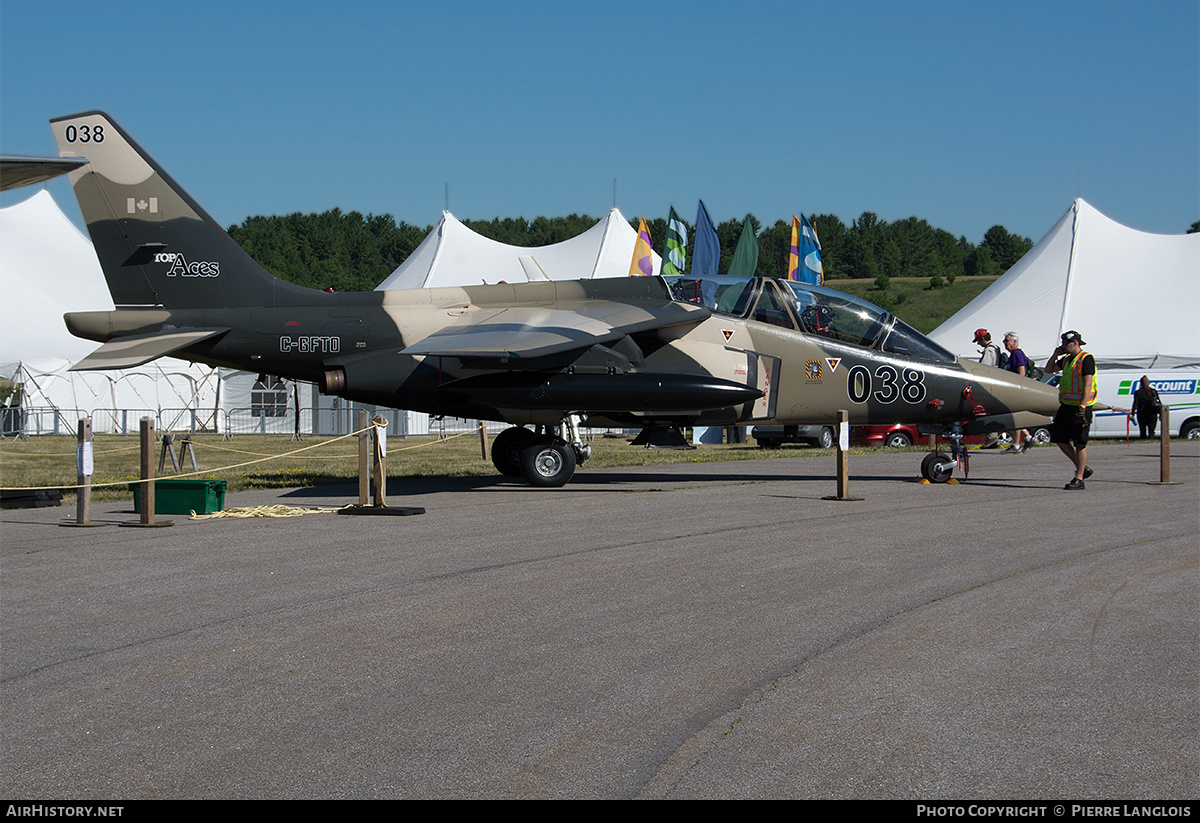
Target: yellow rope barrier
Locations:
point(265, 511)
point(264, 459)
point(62, 454)
point(189, 474)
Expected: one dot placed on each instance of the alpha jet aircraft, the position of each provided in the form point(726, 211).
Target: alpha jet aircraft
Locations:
point(650, 352)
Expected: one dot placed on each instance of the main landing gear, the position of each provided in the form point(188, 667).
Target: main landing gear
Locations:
point(543, 458)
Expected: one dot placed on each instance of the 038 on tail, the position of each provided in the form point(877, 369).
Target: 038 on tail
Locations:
point(652, 353)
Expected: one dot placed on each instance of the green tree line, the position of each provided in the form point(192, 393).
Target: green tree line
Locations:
point(872, 249)
point(343, 251)
point(352, 252)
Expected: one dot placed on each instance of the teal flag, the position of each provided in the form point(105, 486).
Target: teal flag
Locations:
point(745, 256)
point(676, 256)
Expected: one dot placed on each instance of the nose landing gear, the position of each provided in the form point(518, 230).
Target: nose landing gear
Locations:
point(938, 467)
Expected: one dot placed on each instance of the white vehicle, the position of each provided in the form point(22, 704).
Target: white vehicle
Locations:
point(1177, 388)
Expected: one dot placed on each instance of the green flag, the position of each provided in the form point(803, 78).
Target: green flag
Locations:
point(745, 256)
point(676, 256)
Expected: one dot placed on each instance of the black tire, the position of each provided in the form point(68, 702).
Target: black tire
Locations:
point(1040, 436)
point(548, 463)
point(897, 440)
point(507, 448)
point(931, 467)
point(1190, 430)
point(826, 441)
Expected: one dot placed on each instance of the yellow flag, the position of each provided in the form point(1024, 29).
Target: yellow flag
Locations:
point(643, 262)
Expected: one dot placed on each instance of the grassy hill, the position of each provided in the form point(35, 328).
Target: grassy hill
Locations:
point(913, 301)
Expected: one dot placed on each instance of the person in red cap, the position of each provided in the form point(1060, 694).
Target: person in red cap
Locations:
point(991, 352)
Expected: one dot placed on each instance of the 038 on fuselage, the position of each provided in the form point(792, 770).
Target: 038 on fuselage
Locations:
point(648, 352)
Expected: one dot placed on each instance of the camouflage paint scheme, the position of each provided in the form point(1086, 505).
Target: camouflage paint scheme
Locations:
point(634, 351)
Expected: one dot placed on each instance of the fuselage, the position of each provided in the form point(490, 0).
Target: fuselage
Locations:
point(810, 352)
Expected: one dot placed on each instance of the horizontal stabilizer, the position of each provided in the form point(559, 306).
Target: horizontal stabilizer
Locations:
point(25, 171)
point(127, 352)
point(537, 331)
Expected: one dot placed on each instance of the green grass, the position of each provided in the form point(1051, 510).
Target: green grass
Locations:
point(913, 301)
point(50, 461)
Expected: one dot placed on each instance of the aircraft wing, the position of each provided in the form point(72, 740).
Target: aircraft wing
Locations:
point(537, 331)
point(25, 171)
point(128, 352)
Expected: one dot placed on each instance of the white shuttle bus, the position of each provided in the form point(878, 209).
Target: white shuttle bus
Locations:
point(1177, 388)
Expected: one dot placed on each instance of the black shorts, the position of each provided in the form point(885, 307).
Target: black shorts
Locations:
point(1069, 426)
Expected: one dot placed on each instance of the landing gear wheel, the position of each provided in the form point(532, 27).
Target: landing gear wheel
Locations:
point(932, 467)
point(548, 463)
point(507, 448)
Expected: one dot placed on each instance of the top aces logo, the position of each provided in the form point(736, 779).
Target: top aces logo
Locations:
point(180, 267)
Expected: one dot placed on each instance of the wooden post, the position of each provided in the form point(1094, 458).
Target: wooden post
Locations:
point(1164, 455)
point(376, 435)
point(1164, 431)
point(84, 466)
point(843, 467)
point(843, 458)
point(379, 473)
point(146, 487)
point(83, 501)
point(364, 472)
point(483, 441)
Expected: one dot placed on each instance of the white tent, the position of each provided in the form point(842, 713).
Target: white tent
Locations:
point(48, 268)
point(1133, 296)
point(453, 255)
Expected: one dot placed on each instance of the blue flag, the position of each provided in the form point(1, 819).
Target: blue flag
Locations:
point(809, 253)
point(706, 256)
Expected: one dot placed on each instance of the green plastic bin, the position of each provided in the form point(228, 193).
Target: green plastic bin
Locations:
point(183, 496)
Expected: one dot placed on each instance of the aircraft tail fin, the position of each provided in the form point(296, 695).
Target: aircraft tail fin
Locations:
point(154, 242)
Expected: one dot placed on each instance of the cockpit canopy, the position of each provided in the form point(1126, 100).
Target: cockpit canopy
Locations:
point(817, 311)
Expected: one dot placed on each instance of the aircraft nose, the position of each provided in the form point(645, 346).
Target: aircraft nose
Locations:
point(1026, 394)
point(1012, 392)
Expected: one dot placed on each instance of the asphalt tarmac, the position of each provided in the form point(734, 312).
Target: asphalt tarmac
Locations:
point(704, 631)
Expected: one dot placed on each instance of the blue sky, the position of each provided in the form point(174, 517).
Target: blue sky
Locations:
point(964, 114)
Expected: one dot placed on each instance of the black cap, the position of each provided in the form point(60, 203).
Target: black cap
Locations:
point(1072, 337)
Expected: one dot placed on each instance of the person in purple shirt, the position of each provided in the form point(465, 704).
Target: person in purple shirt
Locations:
point(1018, 363)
